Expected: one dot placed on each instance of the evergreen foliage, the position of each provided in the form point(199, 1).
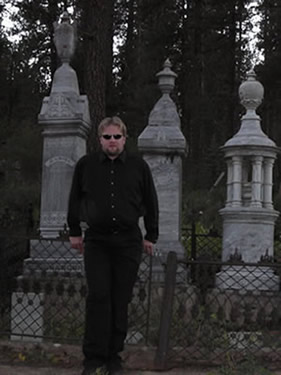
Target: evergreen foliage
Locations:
point(122, 44)
point(270, 75)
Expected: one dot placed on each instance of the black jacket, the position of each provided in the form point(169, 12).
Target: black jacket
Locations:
point(111, 196)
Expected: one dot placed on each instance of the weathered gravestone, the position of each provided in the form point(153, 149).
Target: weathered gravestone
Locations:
point(163, 146)
point(65, 121)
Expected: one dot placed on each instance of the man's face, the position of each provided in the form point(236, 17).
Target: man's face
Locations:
point(112, 141)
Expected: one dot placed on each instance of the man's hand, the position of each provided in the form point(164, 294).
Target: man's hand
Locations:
point(148, 247)
point(77, 243)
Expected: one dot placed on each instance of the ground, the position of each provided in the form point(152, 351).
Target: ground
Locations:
point(21, 358)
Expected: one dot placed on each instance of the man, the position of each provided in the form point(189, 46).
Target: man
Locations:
point(111, 190)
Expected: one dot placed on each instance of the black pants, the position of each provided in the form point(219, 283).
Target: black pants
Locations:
point(111, 272)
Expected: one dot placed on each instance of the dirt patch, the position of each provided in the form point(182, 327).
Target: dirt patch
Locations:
point(43, 354)
point(28, 370)
point(18, 353)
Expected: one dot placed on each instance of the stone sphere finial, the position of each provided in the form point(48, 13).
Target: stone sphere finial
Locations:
point(251, 92)
point(65, 38)
point(166, 78)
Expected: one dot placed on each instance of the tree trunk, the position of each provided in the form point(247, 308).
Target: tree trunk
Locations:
point(97, 34)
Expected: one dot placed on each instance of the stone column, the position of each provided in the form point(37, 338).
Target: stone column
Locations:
point(229, 184)
point(65, 120)
point(267, 192)
point(237, 181)
point(257, 181)
point(163, 145)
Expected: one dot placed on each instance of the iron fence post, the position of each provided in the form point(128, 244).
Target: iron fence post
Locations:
point(166, 311)
point(193, 240)
point(148, 301)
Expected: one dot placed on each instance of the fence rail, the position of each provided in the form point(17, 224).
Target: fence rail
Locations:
point(43, 290)
point(198, 310)
point(220, 310)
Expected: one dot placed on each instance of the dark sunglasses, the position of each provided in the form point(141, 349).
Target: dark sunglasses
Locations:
point(109, 136)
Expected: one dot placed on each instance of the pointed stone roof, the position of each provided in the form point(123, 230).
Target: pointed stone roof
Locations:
point(163, 132)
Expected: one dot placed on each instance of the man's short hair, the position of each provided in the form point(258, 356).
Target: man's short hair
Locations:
point(116, 121)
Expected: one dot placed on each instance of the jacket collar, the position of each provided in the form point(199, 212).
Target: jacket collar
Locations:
point(103, 157)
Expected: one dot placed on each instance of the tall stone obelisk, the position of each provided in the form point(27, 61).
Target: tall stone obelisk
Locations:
point(65, 120)
point(163, 146)
point(248, 215)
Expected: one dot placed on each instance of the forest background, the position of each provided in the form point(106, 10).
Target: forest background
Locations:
point(121, 46)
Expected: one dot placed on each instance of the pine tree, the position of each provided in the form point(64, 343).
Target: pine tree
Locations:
point(97, 34)
point(269, 73)
point(211, 61)
point(150, 37)
point(27, 65)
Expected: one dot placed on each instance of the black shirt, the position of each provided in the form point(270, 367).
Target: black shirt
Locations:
point(111, 196)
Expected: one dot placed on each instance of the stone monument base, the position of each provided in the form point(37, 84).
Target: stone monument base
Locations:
point(247, 278)
point(50, 292)
point(244, 311)
point(49, 257)
point(47, 267)
point(27, 316)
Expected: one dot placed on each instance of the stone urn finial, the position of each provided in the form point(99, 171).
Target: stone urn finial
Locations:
point(166, 78)
point(65, 38)
point(251, 92)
